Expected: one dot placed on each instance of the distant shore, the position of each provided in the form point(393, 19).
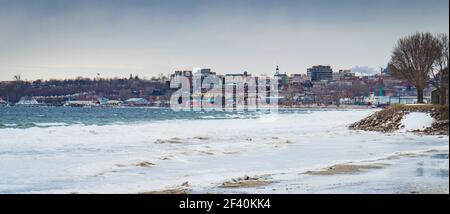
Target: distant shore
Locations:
point(166, 107)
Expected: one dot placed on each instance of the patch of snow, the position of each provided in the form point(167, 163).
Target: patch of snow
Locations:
point(417, 104)
point(416, 121)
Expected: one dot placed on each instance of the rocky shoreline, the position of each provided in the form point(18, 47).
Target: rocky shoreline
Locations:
point(389, 119)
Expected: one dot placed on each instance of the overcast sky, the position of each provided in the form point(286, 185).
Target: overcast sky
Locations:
point(65, 39)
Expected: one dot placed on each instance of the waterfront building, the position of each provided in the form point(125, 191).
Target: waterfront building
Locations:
point(114, 103)
point(200, 74)
point(81, 103)
point(175, 79)
point(137, 102)
point(27, 101)
point(320, 72)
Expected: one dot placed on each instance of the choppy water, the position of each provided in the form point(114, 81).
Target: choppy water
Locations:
point(27, 117)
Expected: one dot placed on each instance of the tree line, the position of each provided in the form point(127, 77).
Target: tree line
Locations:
point(117, 88)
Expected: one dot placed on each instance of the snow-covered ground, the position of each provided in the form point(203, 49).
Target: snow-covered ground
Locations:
point(280, 148)
point(416, 121)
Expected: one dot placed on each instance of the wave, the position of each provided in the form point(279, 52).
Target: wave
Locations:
point(33, 124)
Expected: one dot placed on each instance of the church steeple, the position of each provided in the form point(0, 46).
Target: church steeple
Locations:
point(277, 71)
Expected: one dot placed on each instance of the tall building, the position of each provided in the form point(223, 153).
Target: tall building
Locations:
point(176, 78)
point(204, 72)
point(200, 74)
point(320, 72)
point(343, 74)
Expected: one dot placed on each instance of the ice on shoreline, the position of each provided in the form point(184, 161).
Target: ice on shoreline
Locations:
point(206, 153)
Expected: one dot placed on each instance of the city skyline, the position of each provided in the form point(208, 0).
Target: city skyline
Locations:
point(59, 39)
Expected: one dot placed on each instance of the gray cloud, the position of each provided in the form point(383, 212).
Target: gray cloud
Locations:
point(51, 38)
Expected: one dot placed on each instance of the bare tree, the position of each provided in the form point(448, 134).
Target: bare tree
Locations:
point(437, 75)
point(413, 59)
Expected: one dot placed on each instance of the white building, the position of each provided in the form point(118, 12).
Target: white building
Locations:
point(27, 101)
point(137, 101)
point(81, 103)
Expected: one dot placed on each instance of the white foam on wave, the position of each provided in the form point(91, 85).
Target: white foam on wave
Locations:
point(10, 125)
point(50, 124)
